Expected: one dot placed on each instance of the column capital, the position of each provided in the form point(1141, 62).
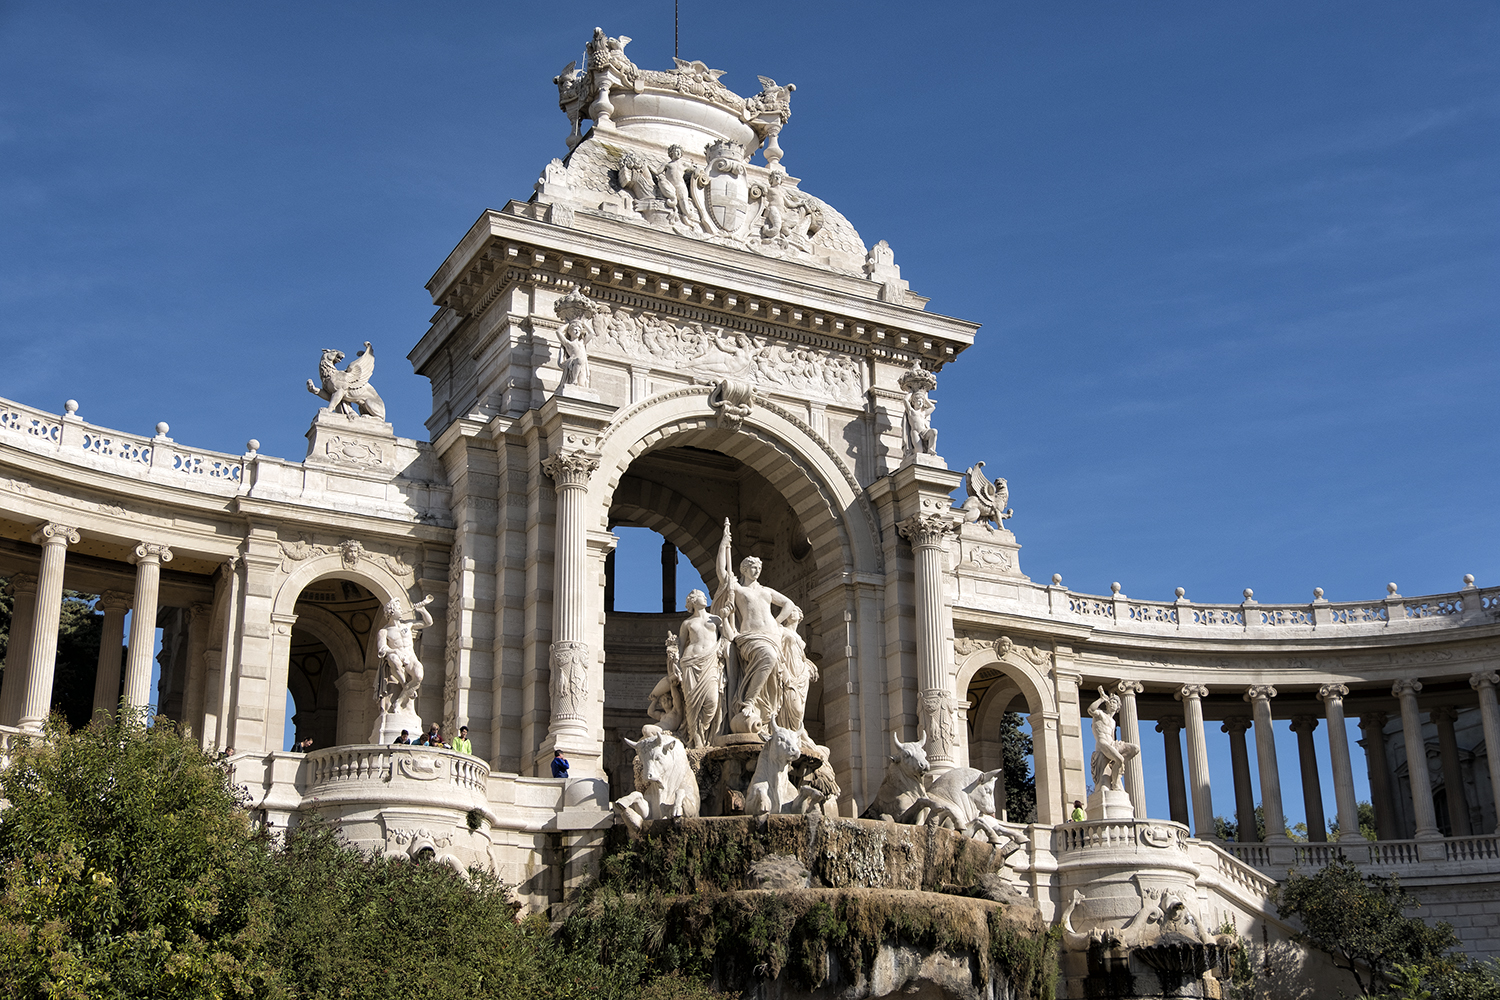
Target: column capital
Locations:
point(1170, 724)
point(201, 612)
point(930, 530)
point(25, 583)
point(114, 600)
point(571, 468)
point(1406, 686)
point(1443, 713)
point(1130, 688)
point(1260, 692)
point(1478, 680)
point(1304, 722)
point(1237, 725)
point(149, 552)
point(53, 533)
point(1373, 720)
point(1333, 692)
point(1192, 691)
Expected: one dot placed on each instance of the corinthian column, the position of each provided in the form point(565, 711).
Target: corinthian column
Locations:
point(1312, 788)
point(1453, 773)
point(1244, 794)
point(18, 654)
point(570, 658)
point(1192, 696)
point(1130, 732)
point(37, 700)
point(929, 534)
point(1338, 758)
point(1416, 759)
point(107, 678)
point(148, 557)
point(1489, 713)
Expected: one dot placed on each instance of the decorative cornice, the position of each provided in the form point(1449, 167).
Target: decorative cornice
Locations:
point(571, 468)
point(53, 533)
point(156, 552)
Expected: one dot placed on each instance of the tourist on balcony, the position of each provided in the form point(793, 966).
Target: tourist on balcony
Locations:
point(559, 765)
point(1077, 815)
point(404, 740)
point(462, 744)
point(432, 738)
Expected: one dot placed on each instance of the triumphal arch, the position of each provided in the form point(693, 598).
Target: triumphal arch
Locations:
point(671, 332)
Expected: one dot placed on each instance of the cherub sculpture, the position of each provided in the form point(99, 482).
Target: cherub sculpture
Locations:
point(349, 389)
point(918, 436)
point(986, 500)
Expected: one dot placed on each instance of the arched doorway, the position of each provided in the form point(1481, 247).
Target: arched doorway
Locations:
point(1000, 737)
point(331, 651)
point(1000, 681)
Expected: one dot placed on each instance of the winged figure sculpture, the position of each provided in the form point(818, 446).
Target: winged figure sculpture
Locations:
point(986, 501)
point(349, 391)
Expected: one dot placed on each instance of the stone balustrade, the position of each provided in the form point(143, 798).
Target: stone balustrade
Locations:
point(1119, 835)
point(7, 734)
point(1366, 853)
point(1232, 873)
point(384, 773)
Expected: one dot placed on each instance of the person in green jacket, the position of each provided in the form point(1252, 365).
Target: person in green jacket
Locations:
point(462, 744)
point(1077, 816)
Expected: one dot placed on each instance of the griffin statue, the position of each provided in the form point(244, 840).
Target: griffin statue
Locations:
point(349, 391)
point(986, 501)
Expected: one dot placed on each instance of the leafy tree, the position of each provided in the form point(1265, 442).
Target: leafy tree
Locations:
point(1020, 783)
point(1366, 823)
point(1361, 923)
point(78, 636)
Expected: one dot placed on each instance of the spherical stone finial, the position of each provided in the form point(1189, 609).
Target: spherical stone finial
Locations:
point(252, 446)
point(1249, 593)
point(1468, 579)
point(1390, 588)
point(162, 428)
point(1181, 593)
point(1317, 593)
point(1056, 579)
point(1114, 588)
point(70, 407)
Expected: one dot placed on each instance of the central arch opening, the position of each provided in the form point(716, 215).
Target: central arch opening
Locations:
point(330, 664)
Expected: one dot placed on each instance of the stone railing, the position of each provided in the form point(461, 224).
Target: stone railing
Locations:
point(1255, 886)
point(1469, 606)
point(331, 770)
point(8, 733)
point(1118, 835)
point(1366, 853)
point(70, 437)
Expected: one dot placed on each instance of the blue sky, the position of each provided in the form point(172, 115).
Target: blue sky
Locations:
point(1235, 265)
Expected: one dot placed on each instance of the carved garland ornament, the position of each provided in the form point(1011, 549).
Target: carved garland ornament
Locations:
point(351, 553)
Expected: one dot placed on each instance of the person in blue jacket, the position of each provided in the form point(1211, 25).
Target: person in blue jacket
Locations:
point(559, 765)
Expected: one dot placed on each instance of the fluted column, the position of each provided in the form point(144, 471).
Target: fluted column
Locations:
point(1312, 786)
point(1192, 696)
point(1130, 732)
point(148, 557)
point(1244, 793)
point(1453, 772)
point(1333, 696)
point(929, 534)
point(1381, 793)
point(571, 658)
point(1416, 758)
point(1484, 683)
point(1259, 698)
point(37, 700)
point(107, 678)
point(18, 653)
point(1171, 730)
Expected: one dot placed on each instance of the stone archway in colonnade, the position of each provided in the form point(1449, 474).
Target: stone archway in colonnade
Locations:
point(989, 677)
point(843, 582)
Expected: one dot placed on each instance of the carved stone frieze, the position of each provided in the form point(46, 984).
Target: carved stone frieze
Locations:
point(401, 837)
point(991, 558)
point(351, 553)
point(1035, 655)
point(453, 640)
point(940, 720)
point(569, 684)
point(353, 451)
point(963, 645)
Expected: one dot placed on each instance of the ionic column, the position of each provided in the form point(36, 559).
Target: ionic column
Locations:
point(1373, 725)
point(1416, 758)
point(1130, 732)
point(1453, 772)
point(1259, 698)
point(148, 557)
point(1312, 787)
point(1171, 730)
point(37, 699)
point(1484, 683)
point(18, 654)
point(1192, 696)
point(1333, 696)
point(571, 658)
point(107, 679)
point(1244, 794)
point(929, 534)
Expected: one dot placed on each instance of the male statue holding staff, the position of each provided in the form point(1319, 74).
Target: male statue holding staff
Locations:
point(745, 606)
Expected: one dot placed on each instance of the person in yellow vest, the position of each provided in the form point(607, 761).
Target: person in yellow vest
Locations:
point(1077, 816)
point(462, 744)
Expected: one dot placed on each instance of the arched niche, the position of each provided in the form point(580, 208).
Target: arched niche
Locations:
point(1026, 674)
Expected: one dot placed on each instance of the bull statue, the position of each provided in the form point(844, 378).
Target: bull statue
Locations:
point(963, 799)
point(905, 780)
point(671, 787)
point(770, 790)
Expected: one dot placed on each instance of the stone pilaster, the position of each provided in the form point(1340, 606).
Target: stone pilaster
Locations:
point(1171, 736)
point(1244, 794)
point(928, 533)
point(1378, 764)
point(1312, 787)
point(1259, 698)
point(1483, 682)
point(148, 558)
point(1453, 772)
point(570, 659)
point(36, 702)
point(1191, 696)
point(1130, 732)
point(18, 655)
point(1406, 690)
point(107, 678)
point(1333, 696)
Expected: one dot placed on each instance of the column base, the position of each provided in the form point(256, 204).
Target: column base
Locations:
point(581, 750)
point(388, 726)
point(1107, 803)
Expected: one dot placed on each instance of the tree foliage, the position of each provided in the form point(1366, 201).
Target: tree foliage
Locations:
point(78, 636)
point(1020, 783)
